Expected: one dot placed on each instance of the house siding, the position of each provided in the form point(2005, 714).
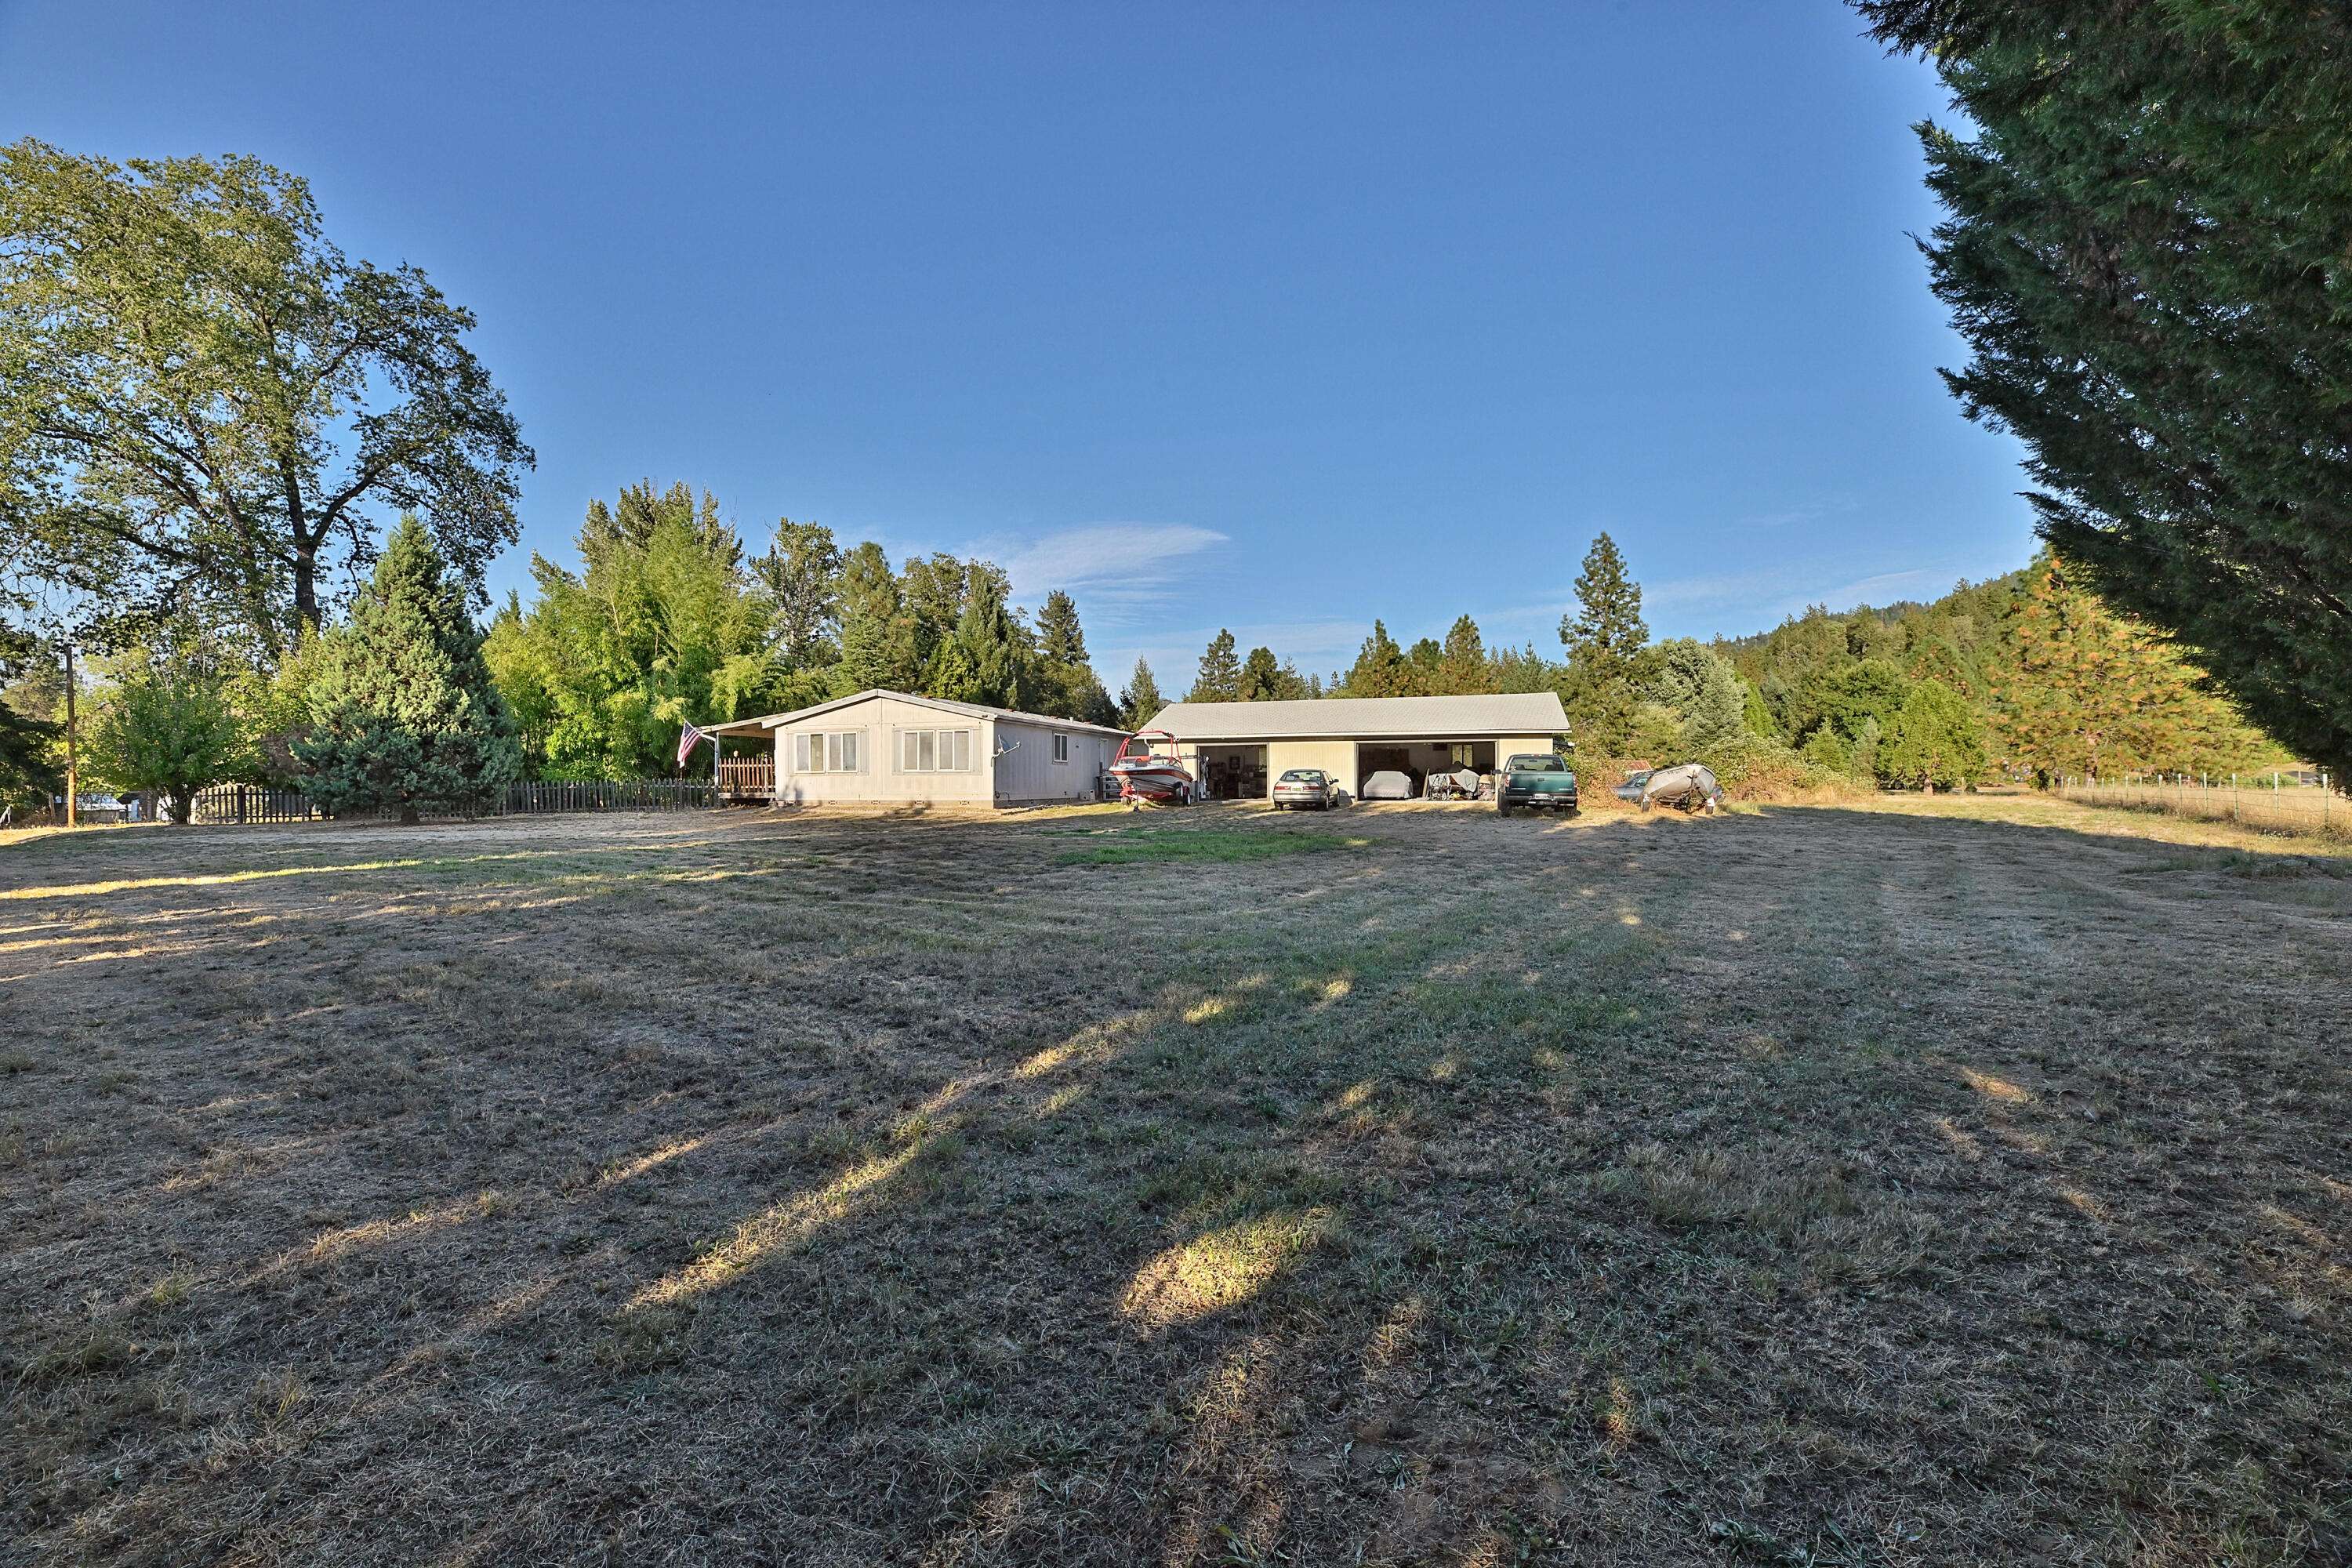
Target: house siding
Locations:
point(1026, 769)
point(879, 721)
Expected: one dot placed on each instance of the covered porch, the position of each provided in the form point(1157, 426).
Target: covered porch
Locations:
point(744, 764)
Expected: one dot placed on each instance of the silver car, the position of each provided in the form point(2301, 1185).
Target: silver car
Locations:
point(1305, 789)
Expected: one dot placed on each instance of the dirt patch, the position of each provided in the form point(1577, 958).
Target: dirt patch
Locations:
point(1964, 1181)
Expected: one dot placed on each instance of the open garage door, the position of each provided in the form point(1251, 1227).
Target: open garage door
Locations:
point(1234, 772)
point(1416, 760)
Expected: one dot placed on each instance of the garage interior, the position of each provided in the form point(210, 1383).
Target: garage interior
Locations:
point(1234, 772)
point(1419, 759)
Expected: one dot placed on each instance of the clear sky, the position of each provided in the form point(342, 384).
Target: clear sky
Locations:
point(1277, 318)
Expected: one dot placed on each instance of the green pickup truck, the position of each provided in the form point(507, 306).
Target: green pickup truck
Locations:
point(1536, 781)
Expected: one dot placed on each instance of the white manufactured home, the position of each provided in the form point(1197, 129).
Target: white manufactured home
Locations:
point(894, 748)
point(1237, 749)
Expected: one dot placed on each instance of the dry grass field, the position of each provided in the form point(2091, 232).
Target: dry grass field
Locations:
point(1950, 1182)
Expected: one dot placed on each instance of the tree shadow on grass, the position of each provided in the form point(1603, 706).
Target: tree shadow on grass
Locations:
point(1497, 1205)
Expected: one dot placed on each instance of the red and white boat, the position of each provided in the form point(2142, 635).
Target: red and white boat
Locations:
point(1145, 775)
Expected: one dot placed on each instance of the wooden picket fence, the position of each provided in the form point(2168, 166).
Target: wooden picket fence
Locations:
point(249, 803)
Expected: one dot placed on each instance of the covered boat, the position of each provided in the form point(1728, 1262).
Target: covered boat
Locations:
point(1144, 774)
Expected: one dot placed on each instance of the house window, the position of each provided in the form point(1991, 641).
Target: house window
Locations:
point(935, 751)
point(1061, 748)
point(828, 752)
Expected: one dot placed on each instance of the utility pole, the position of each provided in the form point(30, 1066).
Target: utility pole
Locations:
point(73, 770)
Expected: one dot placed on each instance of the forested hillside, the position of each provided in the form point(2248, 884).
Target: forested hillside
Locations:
point(2061, 683)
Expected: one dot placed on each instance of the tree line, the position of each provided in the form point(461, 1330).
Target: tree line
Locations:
point(256, 482)
point(2031, 676)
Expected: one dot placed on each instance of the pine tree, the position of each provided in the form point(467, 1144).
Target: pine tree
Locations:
point(801, 575)
point(1260, 677)
point(1934, 740)
point(1140, 702)
point(866, 661)
point(1462, 668)
point(2082, 690)
point(1604, 641)
point(1060, 638)
point(1068, 685)
point(402, 711)
point(986, 660)
point(1379, 669)
point(1220, 677)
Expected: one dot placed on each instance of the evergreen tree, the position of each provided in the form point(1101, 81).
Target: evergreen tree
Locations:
point(867, 660)
point(1706, 695)
point(1425, 663)
point(801, 578)
point(28, 772)
point(887, 653)
point(2081, 690)
point(1060, 640)
point(1260, 677)
point(1524, 670)
point(2147, 248)
point(1604, 641)
point(1220, 677)
point(986, 659)
point(1934, 740)
point(1069, 687)
point(1379, 669)
point(1140, 702)
point(956, 677)
point(402, 711)
point(1463, 666)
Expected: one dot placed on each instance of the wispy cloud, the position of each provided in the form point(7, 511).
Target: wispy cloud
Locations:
point(1130, 560)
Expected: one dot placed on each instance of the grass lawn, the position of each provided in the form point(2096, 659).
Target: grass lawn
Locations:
point(1952, 1181)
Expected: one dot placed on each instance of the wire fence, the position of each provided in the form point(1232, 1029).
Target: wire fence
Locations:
point(249, 804)
point(2269, 802)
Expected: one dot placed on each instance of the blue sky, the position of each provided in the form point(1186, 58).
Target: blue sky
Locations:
point(1273, 318)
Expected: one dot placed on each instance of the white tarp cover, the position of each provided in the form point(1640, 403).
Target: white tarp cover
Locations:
point(1691, 785)
point(1386, 785)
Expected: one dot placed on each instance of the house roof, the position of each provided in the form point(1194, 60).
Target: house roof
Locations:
point(962, 709)
point(1367, 718)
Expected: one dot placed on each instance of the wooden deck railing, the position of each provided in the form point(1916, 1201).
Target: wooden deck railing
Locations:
point(751, 778)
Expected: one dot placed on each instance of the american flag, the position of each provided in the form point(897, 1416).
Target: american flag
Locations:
point(688, 739)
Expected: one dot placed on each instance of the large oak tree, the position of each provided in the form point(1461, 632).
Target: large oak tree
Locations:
point(203, 399)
